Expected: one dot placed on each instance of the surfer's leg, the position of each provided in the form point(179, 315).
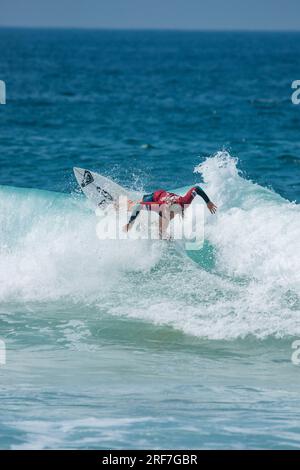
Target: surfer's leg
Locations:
point(163, 225)
point(165, 216)
point(135, 212)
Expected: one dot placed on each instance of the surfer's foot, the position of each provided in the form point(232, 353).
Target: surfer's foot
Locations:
point(166, 237)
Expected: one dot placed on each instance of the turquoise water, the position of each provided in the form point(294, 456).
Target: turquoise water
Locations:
point(129, 344)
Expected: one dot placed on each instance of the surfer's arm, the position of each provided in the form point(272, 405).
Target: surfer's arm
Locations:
point(135, 212)
point(149, 206)
point(210, 205)
point(197, 191)
point(202, 194)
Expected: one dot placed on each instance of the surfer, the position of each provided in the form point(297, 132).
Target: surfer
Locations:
point(167, 205)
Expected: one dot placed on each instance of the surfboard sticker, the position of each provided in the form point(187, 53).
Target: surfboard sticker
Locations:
point(87, 179)
point(106, 196)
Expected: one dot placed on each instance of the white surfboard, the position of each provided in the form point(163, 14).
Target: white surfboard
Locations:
point(101, 190)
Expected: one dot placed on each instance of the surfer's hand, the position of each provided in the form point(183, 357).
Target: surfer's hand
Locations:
point(126, 228)
point(212, 207)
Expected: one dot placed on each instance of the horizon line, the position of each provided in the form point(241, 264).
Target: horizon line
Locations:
point(151, 28)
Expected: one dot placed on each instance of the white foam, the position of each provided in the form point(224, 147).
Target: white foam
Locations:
point(55, 252)
point(50, 251)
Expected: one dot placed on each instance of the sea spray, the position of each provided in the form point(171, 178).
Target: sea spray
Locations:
point(50, 251)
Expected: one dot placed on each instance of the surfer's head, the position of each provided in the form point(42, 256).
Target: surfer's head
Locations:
point(123, 203)
point(130, 204)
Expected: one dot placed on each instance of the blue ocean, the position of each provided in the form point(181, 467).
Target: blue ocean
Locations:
point(123, 344)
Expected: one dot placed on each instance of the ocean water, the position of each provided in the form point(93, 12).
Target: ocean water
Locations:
point(129, 344)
